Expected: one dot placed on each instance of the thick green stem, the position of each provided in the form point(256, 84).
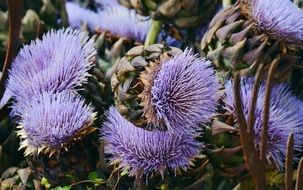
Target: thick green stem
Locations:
point(153, 33)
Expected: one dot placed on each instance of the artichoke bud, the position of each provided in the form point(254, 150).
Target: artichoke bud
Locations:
point(151, 87)
point(30, 24)
point(48, 13)
point(125, 80)
point(239, 40)
point(3, 21)
point(183, 14)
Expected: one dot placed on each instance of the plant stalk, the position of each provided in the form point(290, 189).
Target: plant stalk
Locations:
point(153, 33)
point(14, 20)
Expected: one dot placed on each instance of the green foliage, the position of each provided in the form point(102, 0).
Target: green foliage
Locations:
point(95, 178)
point(124, 172)
point(45, 182)
point(62, 188)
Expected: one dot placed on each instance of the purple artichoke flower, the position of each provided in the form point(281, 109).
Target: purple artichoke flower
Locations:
point(285, 117)
point(78, 15)
point(184, 91)
point(117, 20)
point(145, 152)
point(121, 21)
point(58, 62)
point(281, 18)
point(50, 121)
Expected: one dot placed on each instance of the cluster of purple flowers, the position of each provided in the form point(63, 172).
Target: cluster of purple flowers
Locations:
point(43, 80)
point(184, 94)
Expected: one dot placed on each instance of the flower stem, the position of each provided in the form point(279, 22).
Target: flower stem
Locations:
point(289, 172)
point(153, 33)
point(299, 182)
point(254, 164)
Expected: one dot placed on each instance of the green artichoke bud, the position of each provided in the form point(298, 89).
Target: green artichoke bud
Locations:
point(97, 90)
point(125, 81)
point(48, 12)
point(3, 34)
point(30, 24)
point(237, 41)
point(182, 13)
point(3, 21)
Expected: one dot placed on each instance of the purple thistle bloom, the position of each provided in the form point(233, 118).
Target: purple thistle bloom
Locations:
point(77, 15)
point(281, 18)
point(117, 20)
point(145, 152)
point(122, 22)
point(49, 121)
point(285, 117)
point(185, 91)
point(58, 62)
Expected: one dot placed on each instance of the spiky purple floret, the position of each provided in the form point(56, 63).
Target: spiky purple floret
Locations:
point(58, 62)
point(185, 91)
point(146, 151)
point(117, 19)
point(279, 17)
point(52, 119)
point(122, 22)
point(77, 15)
point(285, 117)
